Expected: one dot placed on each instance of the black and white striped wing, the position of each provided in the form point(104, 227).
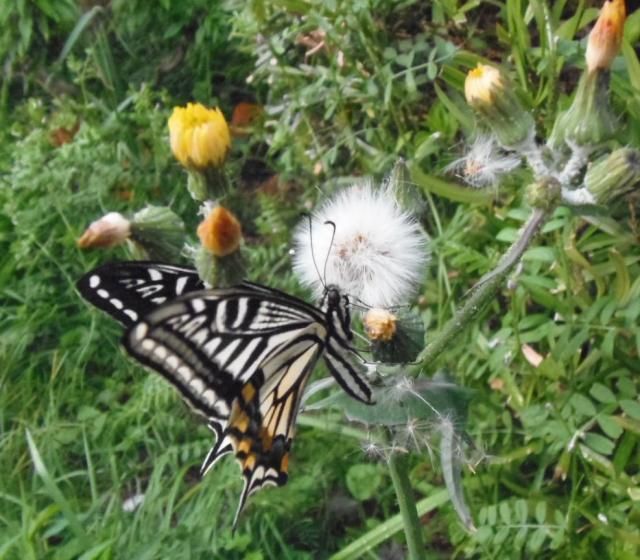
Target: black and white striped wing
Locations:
point(130, 290)
point(240, 357)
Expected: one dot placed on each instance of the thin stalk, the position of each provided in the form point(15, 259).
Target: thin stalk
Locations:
point(410, 520)
point(485, 289)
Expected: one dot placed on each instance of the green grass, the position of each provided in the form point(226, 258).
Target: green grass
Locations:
point(82, 428)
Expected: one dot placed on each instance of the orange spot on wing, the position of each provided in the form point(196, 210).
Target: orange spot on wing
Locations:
point(284, 463)
point(249, 463)
point(248, 392)
point(267, 438)
point(244, 446)
point(241, 422)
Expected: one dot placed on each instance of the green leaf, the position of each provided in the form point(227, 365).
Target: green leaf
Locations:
point(541, 512)
point(609, 426)
point(391, 526)
point(583, 405)
point(602, 393)
point(450, 190)
point(451, 462)
point(599, 443)
point(407, 401)
point(505, 513)
point(540, 254)
point(83, 23)
point(632, 408)
point(363, 481)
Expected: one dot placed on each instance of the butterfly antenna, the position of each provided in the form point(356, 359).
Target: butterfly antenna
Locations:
point(313, 255)
point(326, 260)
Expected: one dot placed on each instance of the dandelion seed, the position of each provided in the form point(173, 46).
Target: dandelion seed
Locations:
point(378, 253)
point(484, 164)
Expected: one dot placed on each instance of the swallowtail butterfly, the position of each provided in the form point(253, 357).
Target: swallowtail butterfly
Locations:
point(239, 356)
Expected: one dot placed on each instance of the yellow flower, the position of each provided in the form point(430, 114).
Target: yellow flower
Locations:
point(380, 324)
point(482, 85)
point(199, 136)
point(606, 36)
point(220, 232)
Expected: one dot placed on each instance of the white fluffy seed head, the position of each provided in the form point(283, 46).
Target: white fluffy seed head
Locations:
point(379, 251)
point(484, 164)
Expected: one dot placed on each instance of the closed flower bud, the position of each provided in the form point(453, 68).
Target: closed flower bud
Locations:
point(614, 175)
point(199, 136)
point(589, 120)
point(380, 324)
point(490, 94)
point(606, 36)
point(157, 233)
point(544, 193)
point(110, 230)
point(220, 232)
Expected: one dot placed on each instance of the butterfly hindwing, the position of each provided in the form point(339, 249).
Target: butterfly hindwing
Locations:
point(129, 290)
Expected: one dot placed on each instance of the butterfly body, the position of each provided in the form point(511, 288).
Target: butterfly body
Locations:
point(239, 356)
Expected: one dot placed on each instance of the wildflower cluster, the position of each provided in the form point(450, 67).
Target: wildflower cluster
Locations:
point(200, 140)
point(579, 132)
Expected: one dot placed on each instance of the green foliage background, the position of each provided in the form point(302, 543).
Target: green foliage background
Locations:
point(82, 429)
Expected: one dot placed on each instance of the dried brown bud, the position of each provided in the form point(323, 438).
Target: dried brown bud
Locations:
point(380, 324)
point(110, 230)
point(220, 232)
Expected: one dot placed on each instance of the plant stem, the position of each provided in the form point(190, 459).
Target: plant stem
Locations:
point(484, 290)
point(412, 528)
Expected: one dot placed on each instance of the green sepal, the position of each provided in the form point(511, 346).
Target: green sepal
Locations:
point(407, 342)
point(157, 233)
point(220, 272)
point(589, 120)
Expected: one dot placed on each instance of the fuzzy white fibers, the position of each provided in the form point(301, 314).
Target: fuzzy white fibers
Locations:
point(484, 163)
point(379, 251)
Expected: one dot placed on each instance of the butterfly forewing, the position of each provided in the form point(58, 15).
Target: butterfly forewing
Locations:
point(128, 291)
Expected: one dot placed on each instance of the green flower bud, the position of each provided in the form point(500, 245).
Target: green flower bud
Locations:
point(157, 233)
point(589, 121)
point(544, 194)
point(614, 175)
